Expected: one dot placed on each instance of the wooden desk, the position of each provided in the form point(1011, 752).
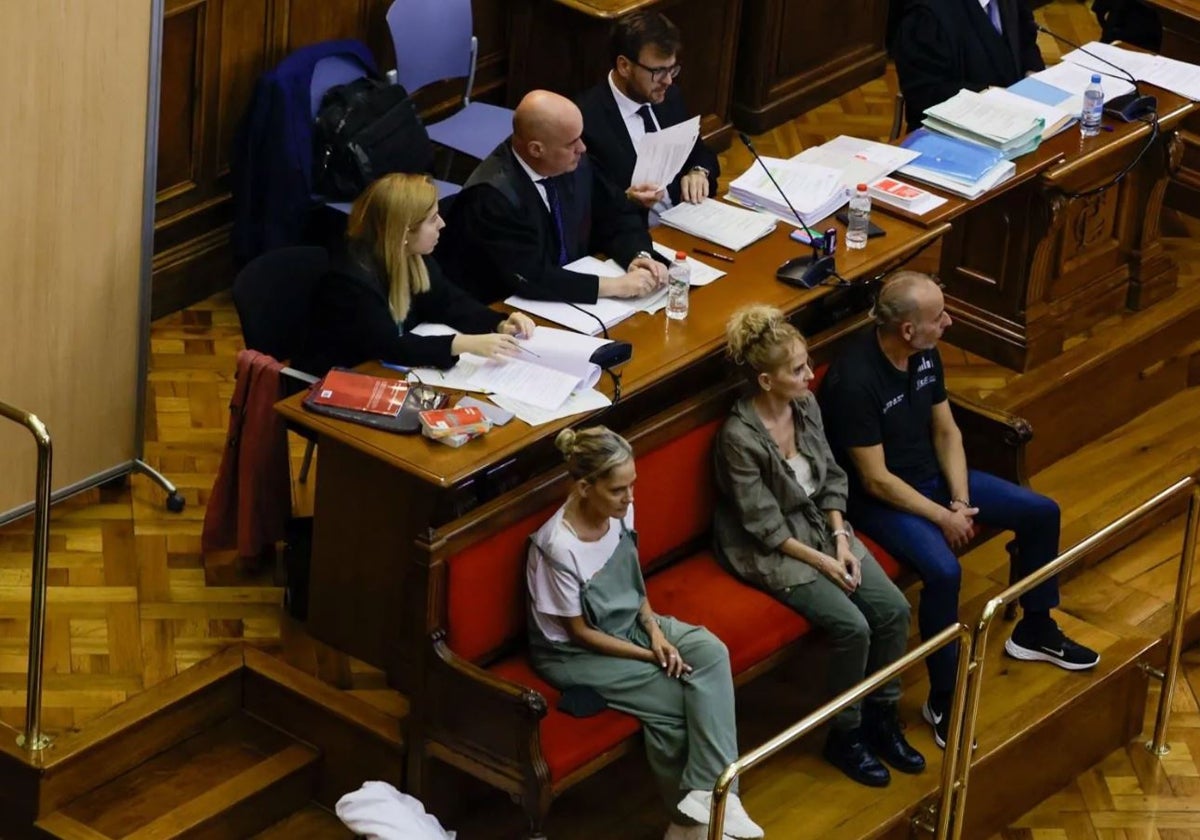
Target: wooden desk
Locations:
point(562, 45)
point(377, 493)
point(796, 54)
point(1026, 265)
point(1181, 40)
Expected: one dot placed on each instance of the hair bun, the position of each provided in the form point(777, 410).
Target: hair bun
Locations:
point(748, 327)
point(565, 442)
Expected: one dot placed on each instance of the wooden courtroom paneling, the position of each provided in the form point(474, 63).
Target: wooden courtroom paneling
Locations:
point(73, 169)
point(213, 53)
point(795, 54)
point(1181, 40)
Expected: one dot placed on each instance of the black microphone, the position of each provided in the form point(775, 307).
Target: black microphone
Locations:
point(1127, 108)
point(805, 272)
point(611, 354)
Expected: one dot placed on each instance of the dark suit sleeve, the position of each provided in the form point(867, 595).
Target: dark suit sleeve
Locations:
point(927, 62)
point(675, 112)
point(618, 226)
point(446, 303)
point(1031, 56)
point(511, 244)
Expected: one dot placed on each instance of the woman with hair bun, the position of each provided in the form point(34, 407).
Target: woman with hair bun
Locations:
point(780, 525)
point(592, 632)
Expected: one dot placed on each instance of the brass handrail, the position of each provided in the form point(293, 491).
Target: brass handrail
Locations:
point(33, 739)
point(1068, 558)
point(953, 633)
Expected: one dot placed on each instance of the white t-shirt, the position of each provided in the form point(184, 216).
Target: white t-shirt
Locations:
point(554, 587)
point(802, 467)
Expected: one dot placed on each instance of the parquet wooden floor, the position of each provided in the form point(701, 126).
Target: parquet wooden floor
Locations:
point(131, 603)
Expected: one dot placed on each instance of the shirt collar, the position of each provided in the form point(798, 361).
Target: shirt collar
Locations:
point(625, 105)
point(533, 176)
point(984, 4)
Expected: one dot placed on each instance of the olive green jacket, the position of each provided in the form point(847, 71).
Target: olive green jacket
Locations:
point(760, 503)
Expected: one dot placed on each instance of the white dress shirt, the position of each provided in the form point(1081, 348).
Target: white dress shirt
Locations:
point(637, 130)
point(536, 178)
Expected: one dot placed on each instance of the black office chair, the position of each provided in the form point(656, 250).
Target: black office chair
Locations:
point(273, 294)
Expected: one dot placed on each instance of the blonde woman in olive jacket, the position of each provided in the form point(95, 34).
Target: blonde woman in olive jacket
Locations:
point(780, 526)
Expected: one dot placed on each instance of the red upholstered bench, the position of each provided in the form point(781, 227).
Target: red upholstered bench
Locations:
point(487, 712)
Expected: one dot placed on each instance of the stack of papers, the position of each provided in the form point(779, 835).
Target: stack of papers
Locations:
point(1173, 75)
point(611, 311)
point(553, 365)
point(964, 168)
point(1063, 85)
point(859, 161)
point(997, 121)
point(719, 223)
point(815, 191)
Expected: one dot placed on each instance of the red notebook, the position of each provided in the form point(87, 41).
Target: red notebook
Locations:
point(360, 392)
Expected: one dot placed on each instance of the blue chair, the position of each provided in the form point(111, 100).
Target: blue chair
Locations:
point(434, 42)
point(335, 70)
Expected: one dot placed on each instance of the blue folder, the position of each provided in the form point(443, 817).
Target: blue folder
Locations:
point(961, 160)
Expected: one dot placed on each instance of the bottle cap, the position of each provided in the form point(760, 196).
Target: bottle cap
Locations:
point(1095, 78)
point(862, 187)
point(681, 255)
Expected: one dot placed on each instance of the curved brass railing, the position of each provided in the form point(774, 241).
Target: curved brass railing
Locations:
point(953, 633)
point(33, 739)
point(995, 607)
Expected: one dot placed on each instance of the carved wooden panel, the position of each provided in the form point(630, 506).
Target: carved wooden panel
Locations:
point(795, 54)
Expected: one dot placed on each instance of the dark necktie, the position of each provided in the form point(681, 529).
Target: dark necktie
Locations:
point(556, 214)
point(647, 119)
point(993, 11)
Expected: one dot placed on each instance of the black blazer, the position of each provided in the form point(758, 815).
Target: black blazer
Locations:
point(943, 46)
point(612, 151)
point(499, 227)
point(350, 322)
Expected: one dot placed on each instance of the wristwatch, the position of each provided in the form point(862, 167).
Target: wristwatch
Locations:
point(707, 174)
point(642, 255)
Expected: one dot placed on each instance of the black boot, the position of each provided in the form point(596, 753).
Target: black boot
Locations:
point(884, 735)
point(846, 750)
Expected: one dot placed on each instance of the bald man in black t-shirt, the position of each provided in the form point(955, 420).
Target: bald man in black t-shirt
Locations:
point(889, 422)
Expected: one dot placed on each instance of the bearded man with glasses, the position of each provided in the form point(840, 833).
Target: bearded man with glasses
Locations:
point(638, 97)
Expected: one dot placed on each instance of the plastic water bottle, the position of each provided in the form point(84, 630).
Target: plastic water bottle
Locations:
point(1093, 108)
point(859, 218)
point(679, 281)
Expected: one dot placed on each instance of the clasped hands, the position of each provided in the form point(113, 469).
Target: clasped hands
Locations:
point(643, 276)
point(844, 569)
point(667, 655)
point(958, 524)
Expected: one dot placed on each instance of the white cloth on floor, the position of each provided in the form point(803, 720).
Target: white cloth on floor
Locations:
point(377, 811)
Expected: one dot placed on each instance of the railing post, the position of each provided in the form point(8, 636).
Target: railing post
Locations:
point(1158, 743)
point(33, 739)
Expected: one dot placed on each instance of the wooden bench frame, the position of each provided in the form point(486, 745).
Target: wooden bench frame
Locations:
point(487, 726)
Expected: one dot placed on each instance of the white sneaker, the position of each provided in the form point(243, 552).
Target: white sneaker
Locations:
point(697, 804)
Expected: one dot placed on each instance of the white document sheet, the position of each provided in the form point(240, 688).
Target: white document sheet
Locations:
point(723, 224)
point(609, 310)
point(702, 273)
point(539, 386)
point(1053, 117)
point(859, 161)
point(577, 403)
point(1074, 79)
point(661, 154)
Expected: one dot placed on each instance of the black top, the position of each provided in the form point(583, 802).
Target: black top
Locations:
point(612, 151)
point(943, 46)
point(351, 323)
point(865, 401)
point(499, 227)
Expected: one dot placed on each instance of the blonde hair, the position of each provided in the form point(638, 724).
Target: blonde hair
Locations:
point(594, 452)
point(381, 220)
point(896, 302)
point(760, 339)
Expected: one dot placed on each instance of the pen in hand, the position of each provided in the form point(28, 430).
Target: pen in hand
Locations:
point(713, 254)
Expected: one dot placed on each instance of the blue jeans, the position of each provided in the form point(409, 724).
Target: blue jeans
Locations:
point(919, 543)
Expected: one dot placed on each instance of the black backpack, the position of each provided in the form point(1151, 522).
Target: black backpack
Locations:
point(364, 129)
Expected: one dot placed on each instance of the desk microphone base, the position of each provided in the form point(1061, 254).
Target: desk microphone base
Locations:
point(806, 272)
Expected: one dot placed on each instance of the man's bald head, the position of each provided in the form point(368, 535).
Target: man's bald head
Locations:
point(912, 307)
point(548, 133)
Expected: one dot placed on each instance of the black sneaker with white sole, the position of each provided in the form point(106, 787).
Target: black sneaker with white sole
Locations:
point(1050, 645)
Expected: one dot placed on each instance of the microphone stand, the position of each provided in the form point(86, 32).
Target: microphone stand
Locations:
point(804, 272)
point(1127, 108)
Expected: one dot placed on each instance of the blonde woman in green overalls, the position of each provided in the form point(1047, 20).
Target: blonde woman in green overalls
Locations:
point(592, 628)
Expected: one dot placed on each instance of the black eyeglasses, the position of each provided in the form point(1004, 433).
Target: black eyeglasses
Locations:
point(657, 74)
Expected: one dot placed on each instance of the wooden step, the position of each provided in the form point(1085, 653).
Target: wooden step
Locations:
point(1100, 383)
point(230, 780)
point(312, 822)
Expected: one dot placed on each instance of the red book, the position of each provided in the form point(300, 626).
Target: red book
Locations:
point(360, 392)
point(453, 421)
